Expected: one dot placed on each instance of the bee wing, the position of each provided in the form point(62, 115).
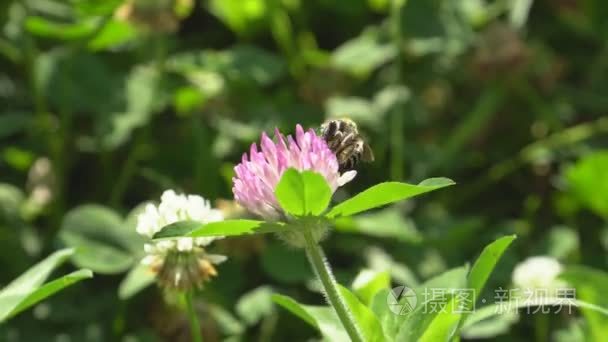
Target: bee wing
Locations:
point(368, 154)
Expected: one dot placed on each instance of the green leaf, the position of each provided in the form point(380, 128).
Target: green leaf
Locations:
point(11, 200)
point(113, 34)
point(18, 291)
point(323, 318)
point(145, 95)
point(591, 287)
point(240, 65)
point(424, 322)
point(386, 193)
point(387, 223)
point(365, 318)
point(239, 15)
point(303, 193)
point(42, 27)
point(138, 278)
point(388, 319)
point(220, 228)
point(59, 73)
point(588, 182)
point(255, 305)
point(103, 242)
point(507, 311)
point(485, 264)
point(228, 324)
point(50, 289)
point(283, 265)
point(443, 327)
point(489, 327)
point(363, 54)
point(295, 308)
point(369, 282)
point(420, 320)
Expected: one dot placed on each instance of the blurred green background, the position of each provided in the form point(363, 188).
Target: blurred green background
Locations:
point(106, 103)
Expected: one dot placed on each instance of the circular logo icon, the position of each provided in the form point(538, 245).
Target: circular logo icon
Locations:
point(401, 300)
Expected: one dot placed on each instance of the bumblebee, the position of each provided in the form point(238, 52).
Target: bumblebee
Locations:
point(343, 138)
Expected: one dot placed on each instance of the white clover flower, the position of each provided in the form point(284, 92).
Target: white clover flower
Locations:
point(174, 208)
point(539, 272)
point(180, 263)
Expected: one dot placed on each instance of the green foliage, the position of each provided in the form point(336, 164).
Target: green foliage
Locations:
point(385, 193)
point(221, 228)
point(124, 104)
point(485, 264)
point(422, 323)
point(103, 242)
point(284, 265)
point(138, 278)
point(29, 288)
point(323, 319)
point(590, 285)
point(364, 317)
point(303, 193)
point(255, 305)
point(368, 283)
point(588, 182)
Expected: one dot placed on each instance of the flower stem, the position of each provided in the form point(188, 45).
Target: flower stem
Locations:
point(323, 271)
point(195, 326)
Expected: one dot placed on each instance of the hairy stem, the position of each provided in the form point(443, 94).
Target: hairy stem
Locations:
point(323, 271)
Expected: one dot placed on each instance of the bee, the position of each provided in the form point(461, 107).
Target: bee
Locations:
point(343, 138)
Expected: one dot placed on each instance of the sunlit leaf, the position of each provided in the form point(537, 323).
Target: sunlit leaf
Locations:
point(51, 288)
point(388, 319)
point(27, 289)
point(220, 228)
point(303, 193)
point(485, 264)
point(437, 292)
point(114, 33)
point(588, 182)
point(42, 27)
point(368, 283)
point(239, 15)
point(386, 193)
point(364, 317)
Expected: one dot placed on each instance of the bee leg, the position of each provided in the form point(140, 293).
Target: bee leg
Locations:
point(347, 139)
point(334, 141)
